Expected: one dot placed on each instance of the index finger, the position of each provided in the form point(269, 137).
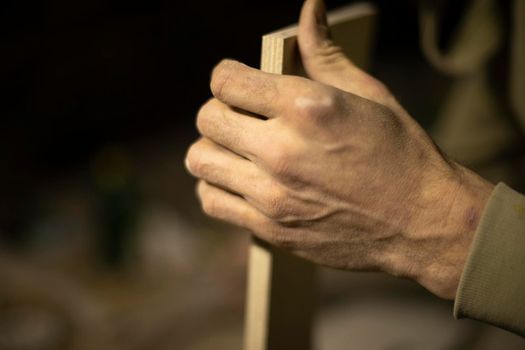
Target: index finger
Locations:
point(252, 90)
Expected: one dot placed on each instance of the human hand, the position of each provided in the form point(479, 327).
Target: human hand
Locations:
point(333, 169)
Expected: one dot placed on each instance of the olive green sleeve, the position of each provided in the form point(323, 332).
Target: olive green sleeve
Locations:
point(492, 286)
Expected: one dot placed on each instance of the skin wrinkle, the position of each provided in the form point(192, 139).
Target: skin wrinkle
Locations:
point(347, 178)
point(219, 79)
point(229, 125)
point(247, 113)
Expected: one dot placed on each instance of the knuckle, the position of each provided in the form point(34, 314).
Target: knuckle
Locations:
point(277, 204)
point(206, 107)
point(282, 161)
point(381, 88)
point(374, 84)
point(372, 88)
point(204, 115)
point(194, 159)
point(209, 204)
point(320, 105)
point(377, 88)
point(220, 76)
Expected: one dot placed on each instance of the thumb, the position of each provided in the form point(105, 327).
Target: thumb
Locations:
point(325, 62)
point(322, 60)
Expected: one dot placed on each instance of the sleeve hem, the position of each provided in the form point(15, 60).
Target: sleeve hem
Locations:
point(492, 285)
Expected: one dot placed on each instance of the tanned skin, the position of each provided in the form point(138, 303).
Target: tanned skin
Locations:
point(332, 168)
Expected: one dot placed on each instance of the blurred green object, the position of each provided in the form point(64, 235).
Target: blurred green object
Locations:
point(118, 204)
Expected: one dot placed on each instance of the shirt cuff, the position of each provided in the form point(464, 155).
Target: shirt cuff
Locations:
point(492, 285)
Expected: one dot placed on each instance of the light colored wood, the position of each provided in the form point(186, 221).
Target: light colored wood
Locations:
point(281, 288)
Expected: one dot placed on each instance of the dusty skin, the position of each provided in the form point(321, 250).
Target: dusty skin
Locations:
point(333, 169)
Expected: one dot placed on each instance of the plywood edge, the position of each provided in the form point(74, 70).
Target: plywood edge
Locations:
point(335, 17)
point(275, 277)
point(271, 54)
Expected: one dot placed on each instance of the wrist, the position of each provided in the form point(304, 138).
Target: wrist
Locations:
point(451, 231)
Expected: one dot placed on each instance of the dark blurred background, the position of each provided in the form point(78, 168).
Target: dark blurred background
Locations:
point(102, 243)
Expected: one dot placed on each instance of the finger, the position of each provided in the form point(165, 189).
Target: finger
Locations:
point(225, 206)
point(323, 61)
point(326, 63)
point(313, 26)
point(218, 166)
point(239, 132)
point(252, 90)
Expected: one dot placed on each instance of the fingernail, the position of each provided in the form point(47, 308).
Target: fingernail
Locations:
point(320, 18)
point(320, 13)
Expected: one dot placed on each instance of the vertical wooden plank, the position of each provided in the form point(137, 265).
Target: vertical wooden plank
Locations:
point(281, 288)
point(280, 299)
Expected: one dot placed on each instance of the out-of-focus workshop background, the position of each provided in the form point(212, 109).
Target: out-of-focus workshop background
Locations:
point(102, 242)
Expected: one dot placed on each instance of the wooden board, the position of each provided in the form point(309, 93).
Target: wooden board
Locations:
point(281, 288)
